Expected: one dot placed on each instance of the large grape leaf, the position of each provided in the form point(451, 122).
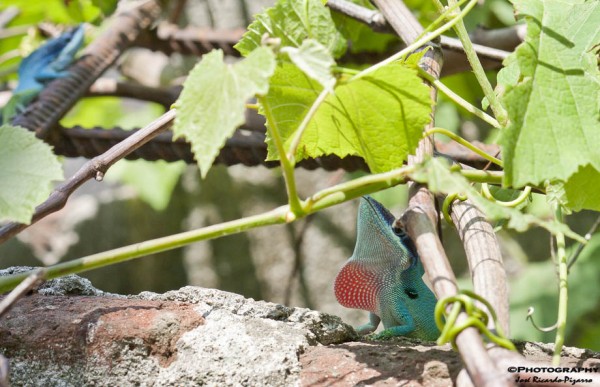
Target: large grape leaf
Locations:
point(439, 178)
point(27, 169)
point(551, 93)
point(292, 21)
point(212, 103)
point(582, 189)
point(379, 117)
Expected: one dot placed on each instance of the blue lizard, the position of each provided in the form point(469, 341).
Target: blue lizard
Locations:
point(45, 64)
point(384, 275)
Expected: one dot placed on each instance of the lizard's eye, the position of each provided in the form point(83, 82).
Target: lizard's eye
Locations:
point(398, 231)
point(411, 294)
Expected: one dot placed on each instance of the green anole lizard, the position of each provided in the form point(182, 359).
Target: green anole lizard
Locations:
point(384, 275)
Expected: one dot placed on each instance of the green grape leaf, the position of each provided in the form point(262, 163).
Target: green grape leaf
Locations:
point(27, 169)
point(379, 117)
point(551, 93)
point(293, 21)
point(439, 178)
point(212, 103)
point(581, 190)
point(314, 60)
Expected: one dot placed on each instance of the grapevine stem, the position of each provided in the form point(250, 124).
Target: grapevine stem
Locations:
point(561, 322)
point(463, 35)
point(477, 176)
point(320, 200)
point(323, 199)
point(418, 43)
point(485, 191)
point(459, 100)
point(298, 135)
point(464, 143)
point(286, 165)
point(448, 11)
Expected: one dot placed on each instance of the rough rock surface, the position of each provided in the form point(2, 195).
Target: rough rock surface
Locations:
point(194, 336)
point(69, 334)
point(401, 362)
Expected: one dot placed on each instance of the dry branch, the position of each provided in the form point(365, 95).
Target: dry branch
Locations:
point(21, 290)
point(484, 257)
point(421, 216)
point(164, 96)
point(60, 95)
point(93, 169)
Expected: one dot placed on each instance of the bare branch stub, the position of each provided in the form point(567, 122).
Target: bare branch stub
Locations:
point(21, 290)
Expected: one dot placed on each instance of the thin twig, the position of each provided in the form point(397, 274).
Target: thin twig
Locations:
point(481, 50)
point(563, 289)
point(298, 239)
point(14, 31)
point(8, 15)
point(580, 246)
point(103, 87)
point(461, 101)
point(29, 283)
point(478, 70)
point(93, 169)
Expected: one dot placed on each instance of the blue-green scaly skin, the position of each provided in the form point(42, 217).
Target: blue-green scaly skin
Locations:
point(384, 275)
point(45, 64)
